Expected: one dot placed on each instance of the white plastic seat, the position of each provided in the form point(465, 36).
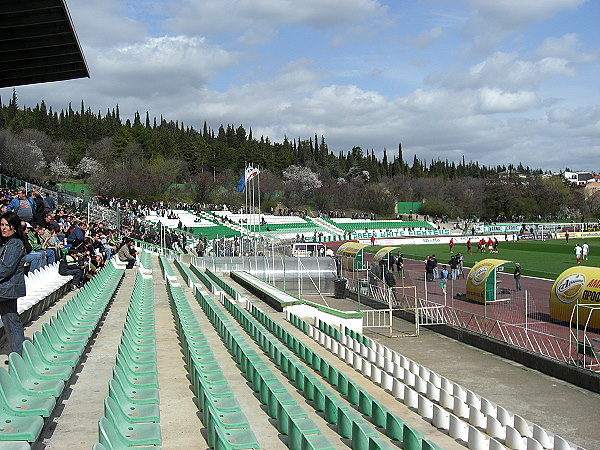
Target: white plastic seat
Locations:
point(376, 374)
point(441, 418)
point(514, 440)
point(387, 381)
point(494, 428)
point(488, 408)
point(366, 368)
point(522, 426)
point(424, 407)
point(433, 392)
point(542, 436)
point(461, 409)
point(446, 399)
point(504, 416)
point(476, 440)
point(473, 400)
point(420, 385)
point(458, 428)
point(398, 389)
point(477, 418)
point(533, 444)
point(411, 398)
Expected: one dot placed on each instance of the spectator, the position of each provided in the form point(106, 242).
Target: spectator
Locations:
point(125, 253)
point(39, 212)
point(12, 276)
point(70, 265)
point(21, 205)
point(50, 203)
point(36, 242)
point(75, 237)
point(34, 259)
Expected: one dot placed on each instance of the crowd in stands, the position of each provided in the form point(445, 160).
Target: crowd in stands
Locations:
point(57, 233)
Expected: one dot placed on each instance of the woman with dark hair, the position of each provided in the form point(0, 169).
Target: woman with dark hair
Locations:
point(12, 278)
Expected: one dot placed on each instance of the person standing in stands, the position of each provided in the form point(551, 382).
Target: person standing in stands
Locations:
point(21, 205)
point(12, 278)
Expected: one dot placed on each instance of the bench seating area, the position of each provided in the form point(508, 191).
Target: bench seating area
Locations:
point(348, 393)
point(459, 412)
point(34, 382)
point(131, 409)
point(361, 225)
point(227, 427)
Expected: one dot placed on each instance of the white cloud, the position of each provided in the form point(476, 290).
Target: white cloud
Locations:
point(100, 24)
point(159, 66)
point(218, 16)
point(492, 21)
point(427, 37)
point(495, 101)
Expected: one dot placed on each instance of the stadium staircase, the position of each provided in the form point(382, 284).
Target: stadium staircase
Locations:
point(136, 359)
point(329, 226)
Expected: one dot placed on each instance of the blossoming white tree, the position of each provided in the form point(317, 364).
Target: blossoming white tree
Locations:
point(59, 169)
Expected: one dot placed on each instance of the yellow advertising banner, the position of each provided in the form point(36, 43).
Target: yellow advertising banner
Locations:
point(350, 254)
point(478, 275)
point(383, 252)
point(577, 285)
point(579, 234)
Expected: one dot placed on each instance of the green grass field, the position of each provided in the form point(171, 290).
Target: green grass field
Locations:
point(546, 259)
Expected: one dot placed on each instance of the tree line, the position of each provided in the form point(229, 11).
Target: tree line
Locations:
point(154, 157)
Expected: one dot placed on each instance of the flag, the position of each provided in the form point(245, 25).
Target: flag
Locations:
point(248, 174)
point(251, 172)
point(241, 184)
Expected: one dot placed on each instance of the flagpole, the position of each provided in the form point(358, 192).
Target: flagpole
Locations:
point(258, 184)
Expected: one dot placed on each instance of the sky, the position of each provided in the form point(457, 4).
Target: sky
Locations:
point(493, 81)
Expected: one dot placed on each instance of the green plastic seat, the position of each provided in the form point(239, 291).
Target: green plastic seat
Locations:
point(410, 439)
point(227, 439)
point(55, 371)
point(361, 433)
point(143, 396)
point(51, 354)
point(14, 446)
point(146, 412)
point(60, 344)
point(130, 379)
point(145, 359)
point(22, 404)
point(31, 384)
point(141, 433)
point(112, 439)
point(13, 428)
point(131, 367)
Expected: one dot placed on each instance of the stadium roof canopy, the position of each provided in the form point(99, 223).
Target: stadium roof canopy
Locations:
point(38, 43)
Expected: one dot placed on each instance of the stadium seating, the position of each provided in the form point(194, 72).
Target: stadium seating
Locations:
point(33, 383)
point(131, 410)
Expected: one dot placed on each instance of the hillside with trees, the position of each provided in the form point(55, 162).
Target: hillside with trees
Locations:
point(155, 158)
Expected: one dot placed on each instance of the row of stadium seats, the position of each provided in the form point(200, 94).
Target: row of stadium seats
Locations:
point(460, 412)
point(349, 423)
point(35, 381)
point(131, 409)
point(43, 287)
point(357, 225)
point(227, 426)
point(291, 419)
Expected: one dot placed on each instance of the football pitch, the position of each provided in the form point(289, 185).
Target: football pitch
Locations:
point(544, 259)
